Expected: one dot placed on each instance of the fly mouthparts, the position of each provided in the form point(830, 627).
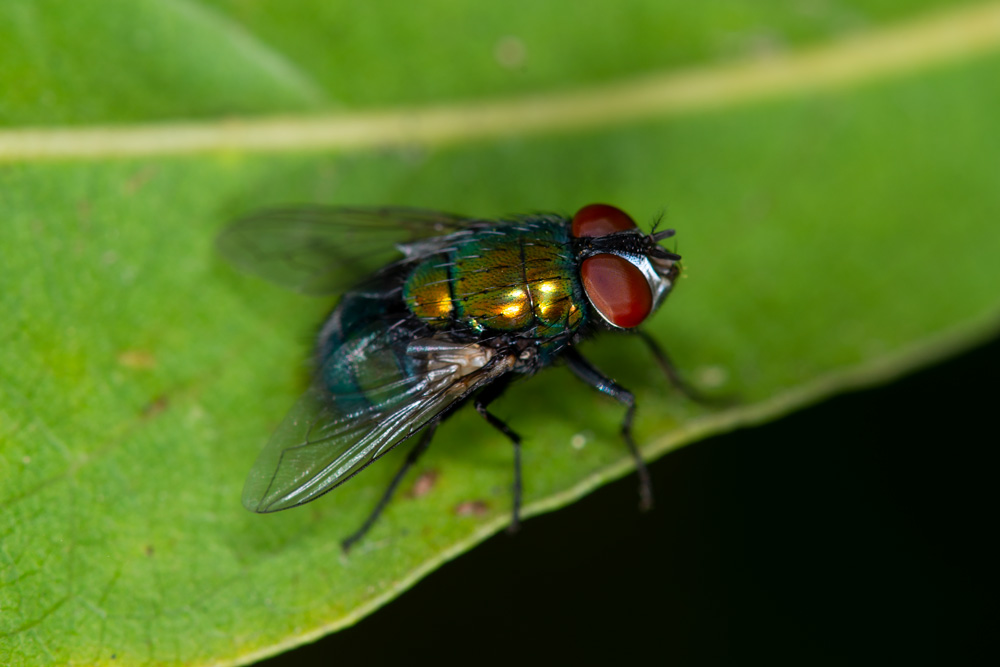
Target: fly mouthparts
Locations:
point(662, 253)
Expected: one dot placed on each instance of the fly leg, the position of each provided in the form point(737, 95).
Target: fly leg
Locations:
point(584, 370)
point(411, 459)
point(485, 397)
point(675, 378)
point(670, 370)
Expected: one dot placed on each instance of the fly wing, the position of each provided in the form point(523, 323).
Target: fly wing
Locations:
point(327, 438)
point(319, 249)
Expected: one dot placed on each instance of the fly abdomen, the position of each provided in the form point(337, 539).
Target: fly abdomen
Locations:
point(359, 379)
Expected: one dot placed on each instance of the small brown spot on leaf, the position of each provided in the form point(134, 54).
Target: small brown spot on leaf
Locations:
point(137, 359)
point(472, 508)
point(139, 179)
point(155, 406)
point(149, 550)
point(424, 484)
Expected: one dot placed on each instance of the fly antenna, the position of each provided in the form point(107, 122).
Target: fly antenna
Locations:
point(658, 221)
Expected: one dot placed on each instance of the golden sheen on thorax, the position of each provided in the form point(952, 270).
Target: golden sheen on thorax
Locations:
point(518, 283)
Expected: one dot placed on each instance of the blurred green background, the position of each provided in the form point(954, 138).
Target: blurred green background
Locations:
point(832, 169)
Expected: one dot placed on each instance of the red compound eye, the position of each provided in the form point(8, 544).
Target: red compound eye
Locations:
point(617, 289)
point(600, 220)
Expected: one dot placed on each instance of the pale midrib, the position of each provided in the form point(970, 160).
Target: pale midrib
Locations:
point(937, 38)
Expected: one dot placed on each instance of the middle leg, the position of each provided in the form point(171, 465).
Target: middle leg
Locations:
point(586, 371)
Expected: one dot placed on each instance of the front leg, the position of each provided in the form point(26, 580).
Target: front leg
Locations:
point(663, 359)
point(584, 370)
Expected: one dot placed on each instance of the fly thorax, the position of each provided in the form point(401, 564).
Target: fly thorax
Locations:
point(513, 278)
point(427, 292)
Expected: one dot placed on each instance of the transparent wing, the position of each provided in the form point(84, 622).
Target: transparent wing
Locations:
point(319, 250)
point(326, 438)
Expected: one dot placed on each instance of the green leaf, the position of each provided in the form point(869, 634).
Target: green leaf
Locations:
point(831, 175)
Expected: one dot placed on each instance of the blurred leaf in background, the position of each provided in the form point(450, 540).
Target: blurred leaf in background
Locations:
point(831, 169)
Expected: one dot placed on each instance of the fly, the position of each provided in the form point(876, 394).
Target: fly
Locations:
point(471, 305)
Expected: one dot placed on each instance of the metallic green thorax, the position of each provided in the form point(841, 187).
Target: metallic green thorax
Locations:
point(513, 278)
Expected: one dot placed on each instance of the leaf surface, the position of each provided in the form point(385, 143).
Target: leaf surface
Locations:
point(832, 177)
